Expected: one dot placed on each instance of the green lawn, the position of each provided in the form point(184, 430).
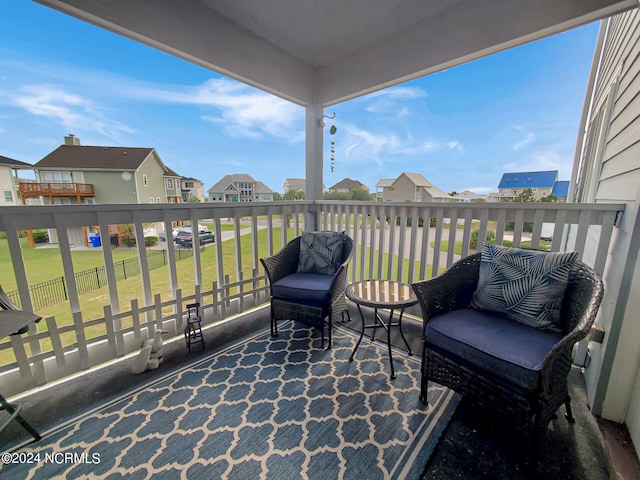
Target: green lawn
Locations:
point(45, 264)
point(444, 245)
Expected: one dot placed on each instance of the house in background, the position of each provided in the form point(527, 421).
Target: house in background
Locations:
point(78, 174)
point(295, 184)
point(9, 180)
point(410, 187)
point(513, 184)
point(470, 197)
point(346, 185)
point(560, 190)
point(192, 188)
point(381, 185)
point(263, 193)
point(74, 174)
point(606, 169)
point(173, 182)
point(239, 187)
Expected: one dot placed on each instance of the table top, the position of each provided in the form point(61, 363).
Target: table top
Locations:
point(382, 294)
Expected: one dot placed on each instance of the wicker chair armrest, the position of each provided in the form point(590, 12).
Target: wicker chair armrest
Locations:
point(283, 263)
point(450, 291)
point(582, 301)
point(339, 283)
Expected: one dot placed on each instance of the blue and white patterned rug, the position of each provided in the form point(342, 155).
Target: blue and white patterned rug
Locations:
point(262, 408)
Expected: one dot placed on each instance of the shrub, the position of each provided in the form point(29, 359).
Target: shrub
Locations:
point(40, 236)
point(150, 241)
point(129, 241)
point(509, 226)
point(490, 237)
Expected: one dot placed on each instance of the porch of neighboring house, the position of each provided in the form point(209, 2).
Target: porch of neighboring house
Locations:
point(69, 362)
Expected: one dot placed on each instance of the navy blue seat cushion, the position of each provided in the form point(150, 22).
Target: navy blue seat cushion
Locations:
point(304, 287)
point(493, 342)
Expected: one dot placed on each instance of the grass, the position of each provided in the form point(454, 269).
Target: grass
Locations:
point(47, 263)
point(444, 245)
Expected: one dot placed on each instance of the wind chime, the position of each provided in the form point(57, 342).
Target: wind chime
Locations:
point(332, 131)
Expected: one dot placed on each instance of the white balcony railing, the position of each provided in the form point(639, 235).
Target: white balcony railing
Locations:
point(407, 241)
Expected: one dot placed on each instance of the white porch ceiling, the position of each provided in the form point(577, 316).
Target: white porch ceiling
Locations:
point(321, 52)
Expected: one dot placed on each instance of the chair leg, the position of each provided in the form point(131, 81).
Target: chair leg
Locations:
point(424, 381)
point(14, 414)
point(330, 325)
point(274, 325)
point(569, 413)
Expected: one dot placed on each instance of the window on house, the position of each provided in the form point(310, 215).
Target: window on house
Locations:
point(145, 180)
point(170, 183)
point(8, 196)
point(56, 177)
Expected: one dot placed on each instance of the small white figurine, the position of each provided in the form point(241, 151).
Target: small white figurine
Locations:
point(151, 354)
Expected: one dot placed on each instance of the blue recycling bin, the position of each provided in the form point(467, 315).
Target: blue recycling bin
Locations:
point(95, 240)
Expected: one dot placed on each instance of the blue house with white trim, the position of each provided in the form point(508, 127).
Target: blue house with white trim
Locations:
point(541, 184)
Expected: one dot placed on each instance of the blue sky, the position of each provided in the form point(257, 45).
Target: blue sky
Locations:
point(462, 128)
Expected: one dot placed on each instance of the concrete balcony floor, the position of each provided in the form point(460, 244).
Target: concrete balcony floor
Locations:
point(474, 445)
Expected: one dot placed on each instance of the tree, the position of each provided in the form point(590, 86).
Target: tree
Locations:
point(525, 196)
point(361, 195)
point(193, 200)
point(549, 198)
point(277, 196)
point(293, 195)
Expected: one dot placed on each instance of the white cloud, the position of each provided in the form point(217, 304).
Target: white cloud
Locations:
point(243, 111)
point(360, 144)
point(400, 93)
point(73, 111)
point(528, 139)
point(390, 101)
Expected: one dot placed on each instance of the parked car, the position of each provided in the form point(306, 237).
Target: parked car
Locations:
point(184, 238)
point(186, 228)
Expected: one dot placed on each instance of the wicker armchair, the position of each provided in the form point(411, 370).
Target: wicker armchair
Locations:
point(528, 407)
point(314, 299)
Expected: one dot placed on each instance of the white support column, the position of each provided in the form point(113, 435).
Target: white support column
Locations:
point(314, 151)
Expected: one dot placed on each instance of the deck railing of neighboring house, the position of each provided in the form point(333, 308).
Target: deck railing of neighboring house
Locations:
point(31, 189)
point(392, 240)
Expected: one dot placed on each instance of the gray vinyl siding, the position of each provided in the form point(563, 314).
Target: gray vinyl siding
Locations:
point(110, 187)
point(620, 173)
point(615, 387)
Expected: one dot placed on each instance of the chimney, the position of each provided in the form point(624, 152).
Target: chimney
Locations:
point(71, 140)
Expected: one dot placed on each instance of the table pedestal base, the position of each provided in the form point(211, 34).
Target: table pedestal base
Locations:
point(381, 323)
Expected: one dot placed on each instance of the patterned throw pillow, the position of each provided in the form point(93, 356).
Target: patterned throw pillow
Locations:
point(320, 252)
point(527, 285)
